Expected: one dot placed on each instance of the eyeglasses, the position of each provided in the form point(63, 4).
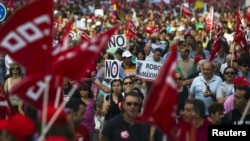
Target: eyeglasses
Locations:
point(231, 73)
point(128, 83)
point(14, 68)
point(132, 103)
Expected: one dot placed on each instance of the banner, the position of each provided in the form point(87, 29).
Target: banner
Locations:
point(112, 69)
point(147, 70)
point(117, 41)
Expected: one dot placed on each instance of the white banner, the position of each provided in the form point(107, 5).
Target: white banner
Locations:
point(147, 70)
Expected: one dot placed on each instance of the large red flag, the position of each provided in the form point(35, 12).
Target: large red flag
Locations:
point(33, 87)
point(74, 62)
point(27, 36)
point(160, 107)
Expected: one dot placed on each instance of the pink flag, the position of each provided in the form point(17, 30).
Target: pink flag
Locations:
point(160, 107)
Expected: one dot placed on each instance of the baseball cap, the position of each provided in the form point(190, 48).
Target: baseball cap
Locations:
point(126, 54)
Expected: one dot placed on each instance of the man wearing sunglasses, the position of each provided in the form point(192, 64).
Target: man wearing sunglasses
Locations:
point(122, 126)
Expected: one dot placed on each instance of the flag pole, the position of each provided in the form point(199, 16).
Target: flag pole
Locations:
point(58, 94)
point(181, 12)
point(45, 103)
point(56, 114)
point(244, 113)
point(212, 21)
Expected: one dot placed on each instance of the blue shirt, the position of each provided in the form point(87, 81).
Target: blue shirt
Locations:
point(198, 88)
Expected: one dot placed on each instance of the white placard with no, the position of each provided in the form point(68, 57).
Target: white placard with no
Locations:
point(117, 41)
point(112, 69)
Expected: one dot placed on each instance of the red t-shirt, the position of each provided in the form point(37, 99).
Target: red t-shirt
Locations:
point(82, 133)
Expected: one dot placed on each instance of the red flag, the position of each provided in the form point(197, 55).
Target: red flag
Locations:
point(6, 110)
point(160, 107)
point(32, 88)
point(131, 29)
point(185, 11)
point(67, 63)
point(11, 4)
point(185, 131)
point(216, 46)
point(84, 36)
point(239, 36)
point(248, 13)
point(27, 36)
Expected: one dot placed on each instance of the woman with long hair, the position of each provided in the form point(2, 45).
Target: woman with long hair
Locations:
point(15, 77)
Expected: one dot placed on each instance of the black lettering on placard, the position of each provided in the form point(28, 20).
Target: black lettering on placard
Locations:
point(108, 70)
point(114, 69)
point(112, 42)
point(120, 41)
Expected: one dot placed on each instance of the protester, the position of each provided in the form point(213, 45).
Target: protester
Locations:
point(75, 115)
point(215, 111)
point(122, 127)
point(238, 116)
point(15, 76)
point(204, 87)
point(87, 97)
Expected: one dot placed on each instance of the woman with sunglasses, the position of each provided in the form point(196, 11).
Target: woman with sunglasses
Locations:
point(227, 87)
point(15, 77)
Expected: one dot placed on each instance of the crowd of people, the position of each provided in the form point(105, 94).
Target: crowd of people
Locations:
point(211, 92)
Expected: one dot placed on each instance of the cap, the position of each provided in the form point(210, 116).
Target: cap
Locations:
point(20, 127)
point(241, 81)
point(197, 58)
point(126, 54)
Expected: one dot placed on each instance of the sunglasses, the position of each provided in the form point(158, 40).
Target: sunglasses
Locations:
point(179, 78)
point(231, 73)
point(132, 103)
point(244, 65)
point(128, 83)
point(15, 68)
